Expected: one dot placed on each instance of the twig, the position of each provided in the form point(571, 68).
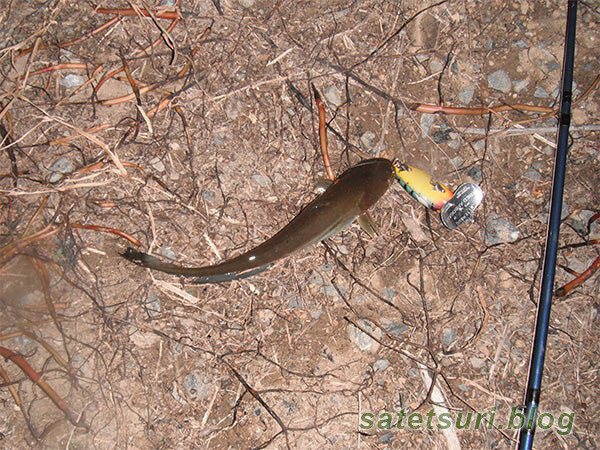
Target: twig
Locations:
point(103, 229)
point(37, 379)
point(323, 134)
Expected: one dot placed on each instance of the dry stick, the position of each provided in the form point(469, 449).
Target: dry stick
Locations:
point(5, 111)
point(136, 92)
point(323, 134)
point(260, 400)
point(169, 41)
point(523, 130)
point(548, 112)
point(138, 53)
point(65, 140)
point(484, 321)
point(587, 273)
point(103, 27)
point(171, 15)
point(6, 139)
point(397, 32)
point(17, 398)
point(432, 109)
point(304, 102)
point(59, 359)
point(113, 156)
point(44, 278)
point(36, 378)
point(97, 70)
point(103, 229)
point(182, 73)
point(35, 214)
point(55, 67)
point(143, 90)
point(7, 251)
point(29, 62)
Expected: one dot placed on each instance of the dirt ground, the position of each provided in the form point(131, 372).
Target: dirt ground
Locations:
point(216, 151)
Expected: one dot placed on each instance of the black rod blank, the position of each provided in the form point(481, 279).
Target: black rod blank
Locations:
point(536, 368)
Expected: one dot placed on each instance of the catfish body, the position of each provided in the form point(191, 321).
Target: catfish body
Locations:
point(349, 196)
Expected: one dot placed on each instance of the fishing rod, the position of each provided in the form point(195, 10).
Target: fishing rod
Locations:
point(536, 368)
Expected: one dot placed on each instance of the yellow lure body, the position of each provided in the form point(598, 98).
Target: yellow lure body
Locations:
point(422, 187)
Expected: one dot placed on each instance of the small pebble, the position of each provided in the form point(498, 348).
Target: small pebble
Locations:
point(396, 328)
point(195, 386)
point(329, 290)
point(152, 305)
point(520, 85)
point(477, 363)
point(499, 230)
point(246, 3)
point(579, 221)
point(540, 92)
point(386, 438)
point(388, 293)
point(367, 141)
point(295, 303)
point(157, 164)
point(262, 180)
point(440, 136)
point(532, 174)
point(218, 138)
point(454, 67)
point(475, 173)
point(449, 336)
point(466, 95)
point(315, 278)
point(209, 195)
point(426, 122)
point(454, 143)
point(380, 365)
point(500, 81)
point(167, 252)
point(435, 65)
point(520, 44)
point(72, 81)
point(457, 162)
point(59, 168)
point(363, 341)
point(333, 96)
point(359, 298)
